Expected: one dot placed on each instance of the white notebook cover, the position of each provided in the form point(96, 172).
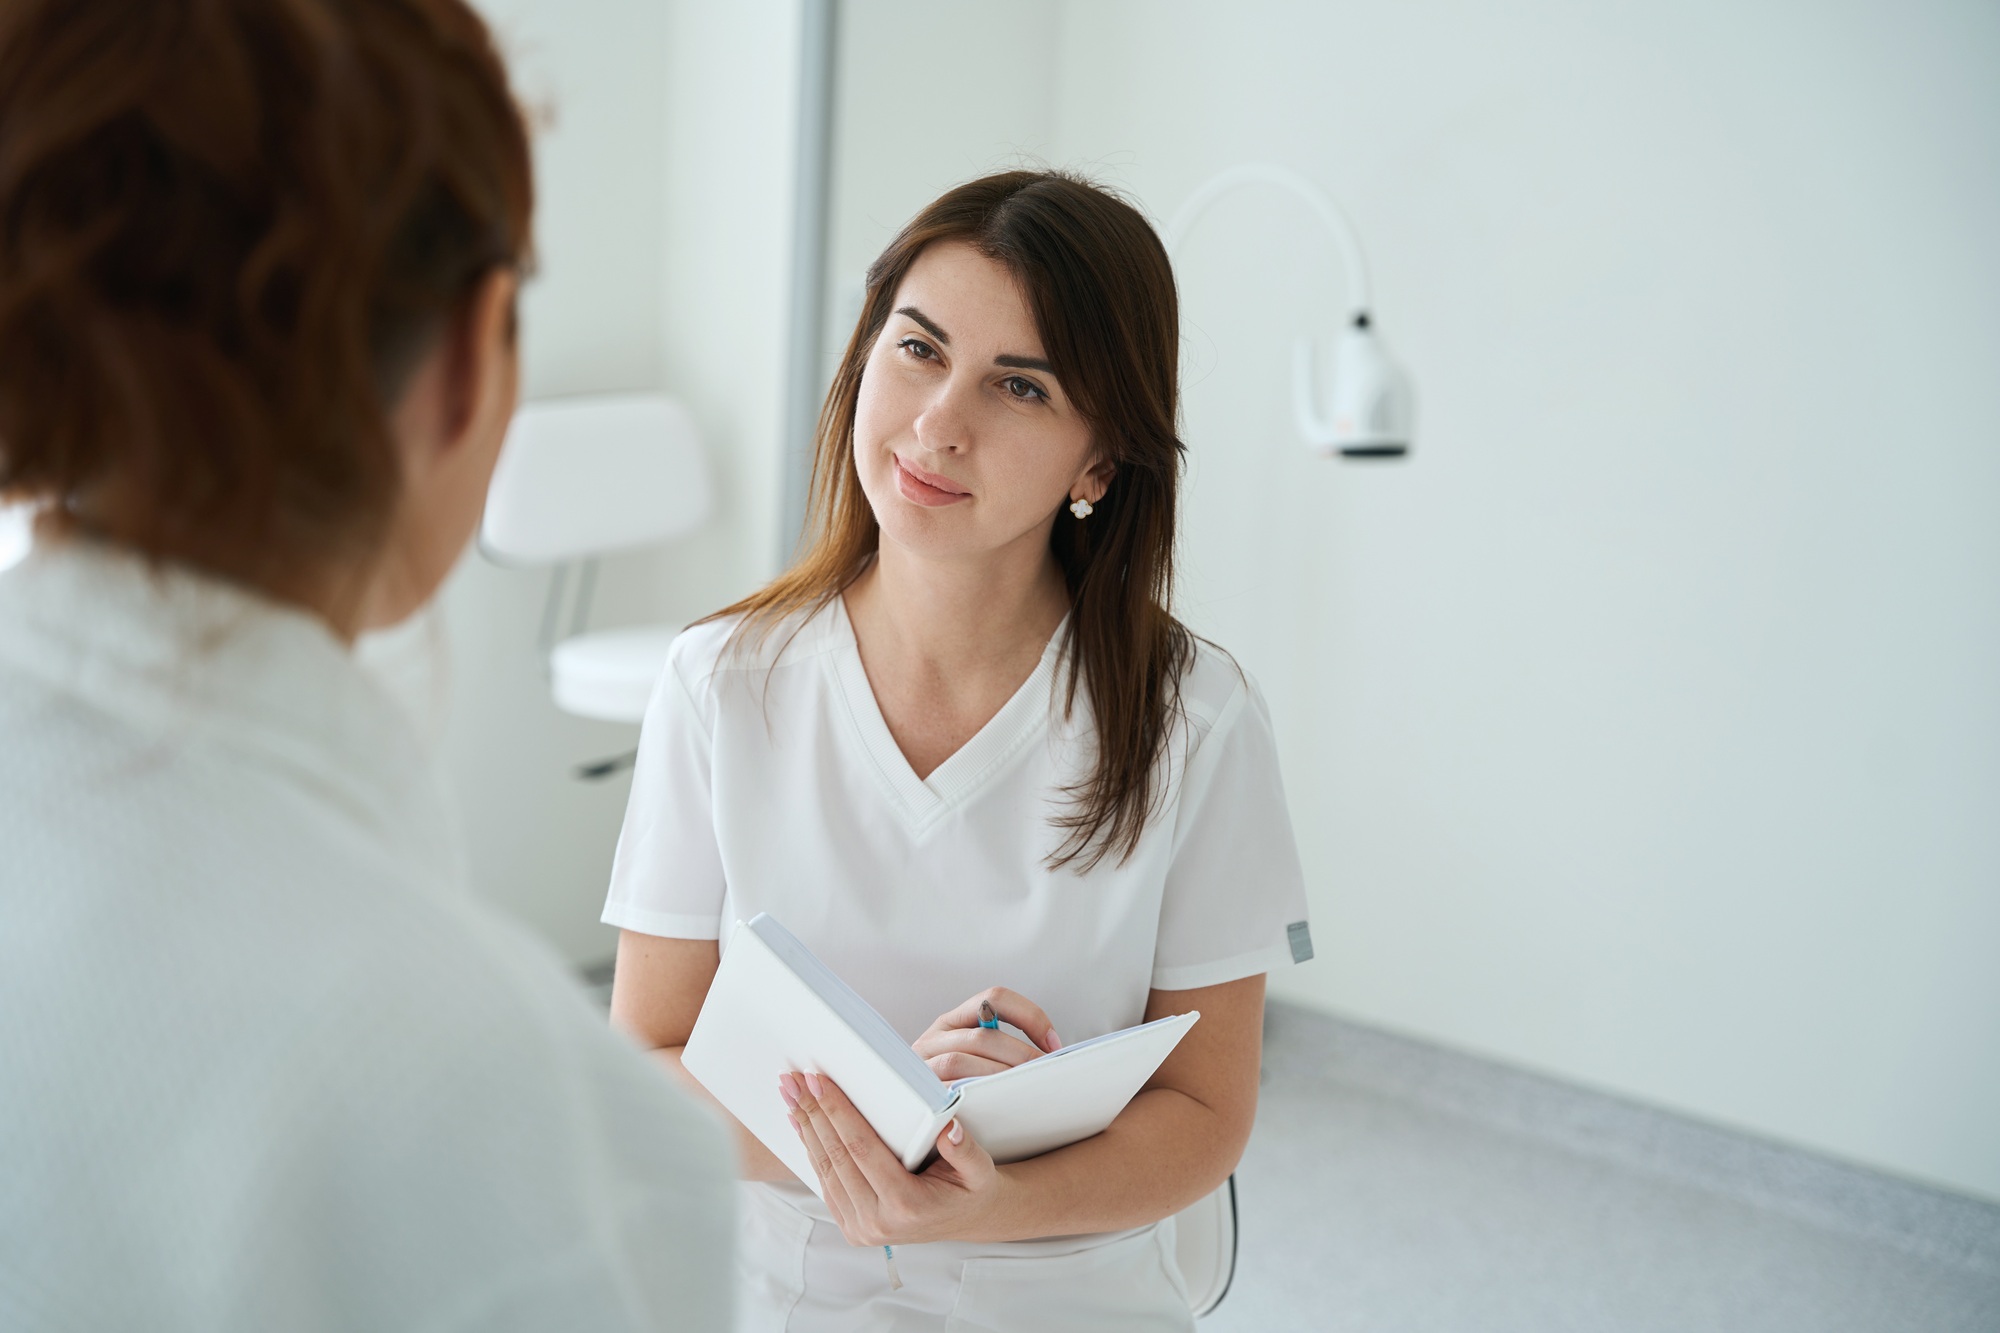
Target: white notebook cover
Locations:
point(761, 1019)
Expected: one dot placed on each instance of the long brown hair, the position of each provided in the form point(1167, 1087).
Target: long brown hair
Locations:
point(1102, 292)
point(228, 231)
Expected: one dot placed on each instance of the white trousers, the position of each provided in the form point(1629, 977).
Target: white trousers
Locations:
point(797, 1274)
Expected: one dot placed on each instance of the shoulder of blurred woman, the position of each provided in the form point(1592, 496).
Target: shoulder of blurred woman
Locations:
point(165, 700)
point(231, 886)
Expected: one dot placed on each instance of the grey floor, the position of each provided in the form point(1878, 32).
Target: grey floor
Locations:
point(1400, 1189)
point(1396, 1187)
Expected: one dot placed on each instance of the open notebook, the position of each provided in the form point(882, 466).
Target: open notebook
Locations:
point(773, 1007)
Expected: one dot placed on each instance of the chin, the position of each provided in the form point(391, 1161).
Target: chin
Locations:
point(939, 534)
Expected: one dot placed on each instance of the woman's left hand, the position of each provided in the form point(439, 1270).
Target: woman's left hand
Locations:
point(871, 1195)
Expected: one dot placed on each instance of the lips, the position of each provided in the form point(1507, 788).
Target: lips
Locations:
point(927, 488)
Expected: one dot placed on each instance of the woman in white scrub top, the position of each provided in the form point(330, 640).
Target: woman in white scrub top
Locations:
point(962, 751)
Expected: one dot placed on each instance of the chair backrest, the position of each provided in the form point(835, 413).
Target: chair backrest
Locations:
point(584, 476)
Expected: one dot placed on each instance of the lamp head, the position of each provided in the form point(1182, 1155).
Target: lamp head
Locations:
point(1372, 407)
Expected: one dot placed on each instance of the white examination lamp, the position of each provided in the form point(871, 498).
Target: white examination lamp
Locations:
point(1372, 410)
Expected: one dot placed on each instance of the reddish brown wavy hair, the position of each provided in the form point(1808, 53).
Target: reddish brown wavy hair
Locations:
point(228, 231)
point(1102, 291)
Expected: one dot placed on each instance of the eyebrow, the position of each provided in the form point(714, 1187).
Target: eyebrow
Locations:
point(924, 320)
point(1011, 362)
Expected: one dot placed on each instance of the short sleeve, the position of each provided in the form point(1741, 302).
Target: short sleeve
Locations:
point(1234, 903)
point(666, 878)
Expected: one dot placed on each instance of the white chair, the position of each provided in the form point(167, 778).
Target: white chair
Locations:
point(580, 478)
point(1205, 1247)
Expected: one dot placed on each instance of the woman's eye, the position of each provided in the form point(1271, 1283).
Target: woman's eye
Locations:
point(1021, 388)
point(918, 348)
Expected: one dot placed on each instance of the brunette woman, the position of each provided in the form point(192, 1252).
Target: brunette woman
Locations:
point(963, 749)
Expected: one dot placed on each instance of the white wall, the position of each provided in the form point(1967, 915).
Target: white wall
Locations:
point(663, 166)
point(1644, 727)
point(1641, 729)
point(900, 137)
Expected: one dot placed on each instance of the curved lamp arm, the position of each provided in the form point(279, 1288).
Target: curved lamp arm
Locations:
point(1270, 173)
point(1371, 410)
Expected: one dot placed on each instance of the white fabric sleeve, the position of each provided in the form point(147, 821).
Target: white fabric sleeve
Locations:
point(1235, 901)
point(666, 878)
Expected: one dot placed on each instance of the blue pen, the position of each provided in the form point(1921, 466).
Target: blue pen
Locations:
point(986, 1018)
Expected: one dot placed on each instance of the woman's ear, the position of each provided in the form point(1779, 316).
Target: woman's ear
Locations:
point(1095, 479)
point(482, 368)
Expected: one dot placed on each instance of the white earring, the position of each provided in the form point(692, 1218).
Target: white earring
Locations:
point(1081, 508)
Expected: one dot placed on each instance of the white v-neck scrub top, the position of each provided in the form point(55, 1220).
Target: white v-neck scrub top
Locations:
point(768, 781)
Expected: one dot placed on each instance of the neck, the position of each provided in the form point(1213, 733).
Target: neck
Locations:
point(960, 615)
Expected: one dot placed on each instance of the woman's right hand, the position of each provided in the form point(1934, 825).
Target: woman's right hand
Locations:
point(956, 1047)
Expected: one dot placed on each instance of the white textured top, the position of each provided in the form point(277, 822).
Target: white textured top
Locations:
point(264, 1062)
point(768, 781)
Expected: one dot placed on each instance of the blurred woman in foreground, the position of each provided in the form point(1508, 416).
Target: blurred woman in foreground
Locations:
point(266, 1064)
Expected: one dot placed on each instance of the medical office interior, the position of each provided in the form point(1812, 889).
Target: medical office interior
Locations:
point(1641, 726)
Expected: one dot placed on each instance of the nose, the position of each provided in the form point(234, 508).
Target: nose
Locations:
point(945, 424)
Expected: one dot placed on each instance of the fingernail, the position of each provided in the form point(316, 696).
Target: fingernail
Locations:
point(958, 1132)
point(787, 1090)
point(1055, 1042)
point(812, 1084)
point(797, 1128)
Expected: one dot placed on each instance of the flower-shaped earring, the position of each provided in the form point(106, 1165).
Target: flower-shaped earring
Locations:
point(1080, 507)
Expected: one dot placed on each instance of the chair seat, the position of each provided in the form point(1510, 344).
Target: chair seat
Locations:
point(1205, 1247)
point(609, 675)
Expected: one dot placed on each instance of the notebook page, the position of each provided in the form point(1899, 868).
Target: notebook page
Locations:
point(1083, 1045)
point(1049, 1102)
